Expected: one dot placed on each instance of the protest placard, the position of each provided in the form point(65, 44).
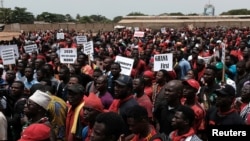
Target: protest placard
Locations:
point(59, 36)
point(30, 48)
point(139, 34)
point(8, 56)
point(88, 48)
point(126, 64)
point(81, 39)
point(163, 61)
point(163, 30)
point(15, 48)
point(68, 55)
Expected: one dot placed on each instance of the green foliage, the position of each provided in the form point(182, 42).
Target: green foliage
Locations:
point(237, 12)
point(136, 14)
point(176, 14)
point(21, 15)
point(193, 14)
point(5, 15)
point(117, 19)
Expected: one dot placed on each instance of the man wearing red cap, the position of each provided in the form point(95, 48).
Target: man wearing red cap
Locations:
point(36, 132)
point(148, 77)
point(91, 109)
point(191, 88)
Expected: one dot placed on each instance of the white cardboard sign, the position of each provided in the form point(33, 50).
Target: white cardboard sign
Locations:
point(59, 36)
point(15, 48)
point(139, 34)
point(68, 55)
point(88, 48)
point(81, 39)
point(8, 56)
point(163, 61)
point(30, 48)
point(126, 64)
point(163, 30)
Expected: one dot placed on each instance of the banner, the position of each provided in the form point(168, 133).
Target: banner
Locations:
point(81, 39)
point(88, 48)
point(68, 55)
point(15, 48)
point(30, 48)
point(8, 56)
point(126, 64)
point(139, 34)
point(163, 61)
point(59, 36)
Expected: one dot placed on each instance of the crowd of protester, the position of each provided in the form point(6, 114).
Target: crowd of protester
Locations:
point(44, 99)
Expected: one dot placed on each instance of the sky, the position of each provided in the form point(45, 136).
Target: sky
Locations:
point(113, 8)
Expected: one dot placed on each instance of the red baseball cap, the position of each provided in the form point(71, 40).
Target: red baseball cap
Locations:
point(36, 132)
point(193, 83)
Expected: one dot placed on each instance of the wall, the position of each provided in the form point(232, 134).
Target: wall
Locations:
point(151, 22)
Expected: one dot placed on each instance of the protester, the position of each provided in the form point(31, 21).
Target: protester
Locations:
point(108, 126)
point(183, 124)
point(74, 124)
point(91, 109)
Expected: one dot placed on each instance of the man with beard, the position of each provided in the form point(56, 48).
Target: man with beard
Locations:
point(223, 113)
point(74, 122)
point(123, 97)
point(165, 112)
point(242, 103)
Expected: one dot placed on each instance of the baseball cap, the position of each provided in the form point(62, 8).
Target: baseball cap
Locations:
point(1, 66)
point(124, 80)
point(149, 74)
point(35, 132)
point(76, 88)
point(226, 90)
point(193, 83)
point(94, 102)
point(219, 66)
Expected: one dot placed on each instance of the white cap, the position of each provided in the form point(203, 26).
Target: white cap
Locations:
point(41, 98)
point(218, 41)
point(1, 66)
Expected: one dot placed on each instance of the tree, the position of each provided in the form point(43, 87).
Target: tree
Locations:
point(237, 12)
point(85, 19)
point(5, 15)
point(117, 19)
point(53, 18)
point(20, 15)
point(176, 14)
point(68, 18)
point(193, 14)
point(44, 17)
point(78, 17)
point(99, 19)
point(136, 14)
